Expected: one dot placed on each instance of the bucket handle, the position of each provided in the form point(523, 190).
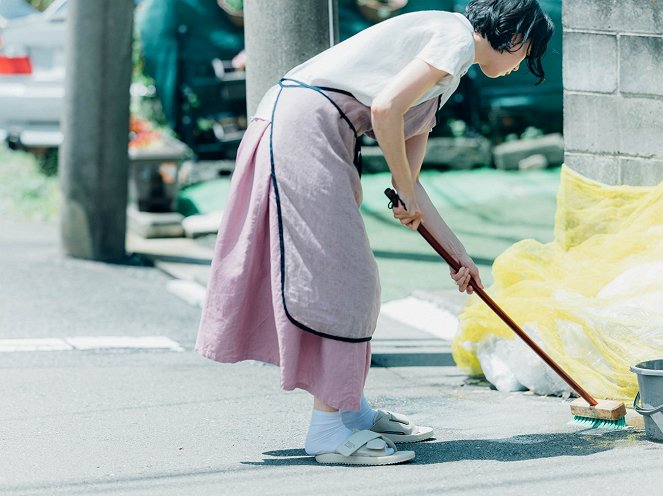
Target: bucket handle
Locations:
point(641, 410)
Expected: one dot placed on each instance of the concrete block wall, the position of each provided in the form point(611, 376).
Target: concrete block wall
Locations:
point(613, 90)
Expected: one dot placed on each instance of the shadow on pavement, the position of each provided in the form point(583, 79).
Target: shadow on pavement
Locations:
point(285, 457)
point(412, 360)
point(182, 259)
point(516, 448)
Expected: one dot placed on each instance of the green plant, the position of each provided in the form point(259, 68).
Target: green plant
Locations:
point(26, 193)
point(235, 4)
point(144, 101)
point(41, 4)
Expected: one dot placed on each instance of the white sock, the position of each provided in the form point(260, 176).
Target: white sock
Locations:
point(360, 419)
point(325, 433)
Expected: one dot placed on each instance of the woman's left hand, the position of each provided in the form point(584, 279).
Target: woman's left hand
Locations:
point(413, 216)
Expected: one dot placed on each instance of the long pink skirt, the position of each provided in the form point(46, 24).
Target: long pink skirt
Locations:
point(331, 284)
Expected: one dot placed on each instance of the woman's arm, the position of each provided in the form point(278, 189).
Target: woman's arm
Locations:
point(387, 112)
point(415, 149)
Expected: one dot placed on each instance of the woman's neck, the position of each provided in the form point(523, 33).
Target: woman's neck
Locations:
point(482, 49)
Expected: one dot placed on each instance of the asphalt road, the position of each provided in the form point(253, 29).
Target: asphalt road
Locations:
point(136, 421)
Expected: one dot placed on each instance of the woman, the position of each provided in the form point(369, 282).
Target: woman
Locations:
point(294, 281)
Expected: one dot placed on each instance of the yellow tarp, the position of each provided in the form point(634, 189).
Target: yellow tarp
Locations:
point(594, 296)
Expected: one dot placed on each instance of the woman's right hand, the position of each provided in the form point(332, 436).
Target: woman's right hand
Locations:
point(413, 216)
point(467, 272)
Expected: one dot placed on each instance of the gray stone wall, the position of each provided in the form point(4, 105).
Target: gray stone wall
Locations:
point(613, 89)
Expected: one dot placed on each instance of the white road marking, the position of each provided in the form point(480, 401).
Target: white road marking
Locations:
point(89, 343)
point(411, 311)
point(38, 344)
point(422, 315)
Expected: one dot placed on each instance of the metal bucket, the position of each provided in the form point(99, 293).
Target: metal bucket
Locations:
point(650, 382)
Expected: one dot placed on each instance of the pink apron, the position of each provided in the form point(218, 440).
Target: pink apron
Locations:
point(294, 281)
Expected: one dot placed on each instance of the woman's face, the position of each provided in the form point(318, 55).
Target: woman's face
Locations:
point(502, 64)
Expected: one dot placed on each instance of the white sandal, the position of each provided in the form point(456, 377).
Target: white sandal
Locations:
point(399, 429)
point(366, 448)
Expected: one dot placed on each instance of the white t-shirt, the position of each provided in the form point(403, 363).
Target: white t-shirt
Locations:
point(364, 63)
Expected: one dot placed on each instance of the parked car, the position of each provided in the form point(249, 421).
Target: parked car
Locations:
point(32, 78)
point(13, 9)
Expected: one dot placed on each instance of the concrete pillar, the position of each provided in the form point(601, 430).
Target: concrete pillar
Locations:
point(93, 158)
point(613, 96)
point(280, 34)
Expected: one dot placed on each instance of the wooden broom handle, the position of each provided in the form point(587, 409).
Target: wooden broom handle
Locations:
point(395, 200)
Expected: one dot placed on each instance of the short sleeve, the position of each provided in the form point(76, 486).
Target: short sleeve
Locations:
point(450, 51)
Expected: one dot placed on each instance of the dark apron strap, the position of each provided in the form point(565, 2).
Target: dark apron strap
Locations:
point(437, 111)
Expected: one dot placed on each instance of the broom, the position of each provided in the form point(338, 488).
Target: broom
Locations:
point(587, 412)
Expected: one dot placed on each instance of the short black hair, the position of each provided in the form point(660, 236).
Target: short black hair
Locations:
point(499, 20)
